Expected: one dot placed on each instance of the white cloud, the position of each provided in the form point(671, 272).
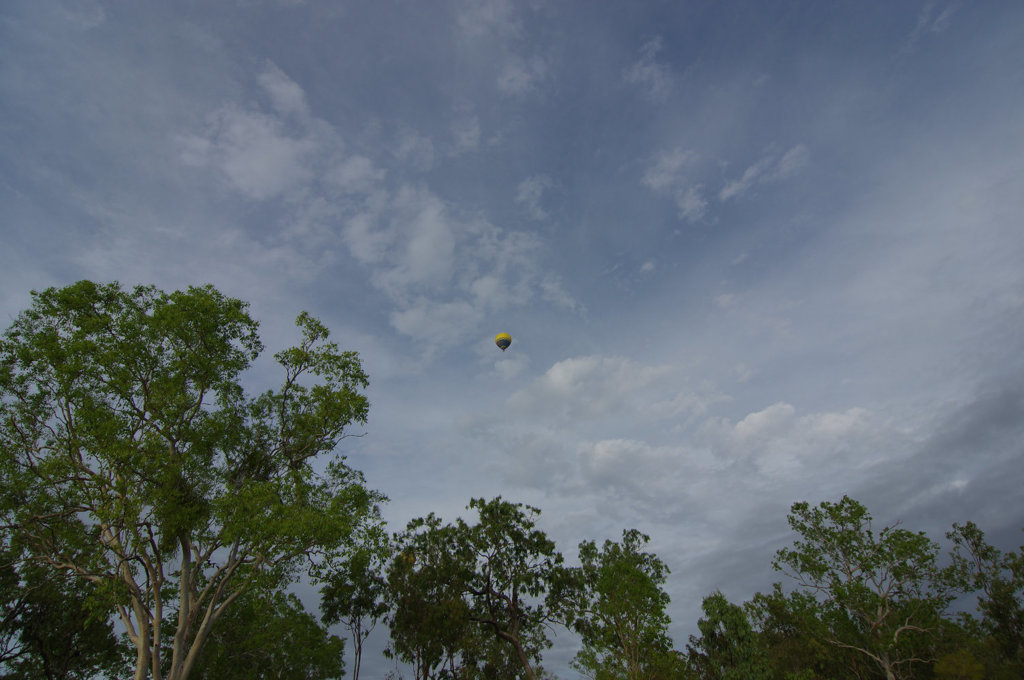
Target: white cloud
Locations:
point(791, 162)
point(771, 168)
point(554, 292)
point(930, 21)
point(509, 366)
point(415, 150)
point(281, 152)
point(466, 133)
point(726, 300)
point(654, 77)
point(692, 205)
point(518, 76)
point(687, 404)
point(587, 388)
point(431, 262)
point(479, 18)
point(84, 14)
point(420, 238)
point(612, 464)
point(530, 194)
point(667, 171)
point(668, 174)
point(434, 322)
point(599, 435)
point(252, 151)
point(750, 175)
point(285, 94)
point(764, 424)
point(354, 174)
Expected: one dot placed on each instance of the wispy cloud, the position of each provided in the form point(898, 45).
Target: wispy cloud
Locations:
point(519, 76)
point(770, 168)
point(415, 150)
point(669, 174)
point(930, 21)
point(480, 18)
point(652, 76)
point(667, 170)
point(263, 154)
point(466, 133)
point(691, 202)
point(84, 15)
point(286, 95)
point(252, 151)
point(530, 195)
point(443, 271)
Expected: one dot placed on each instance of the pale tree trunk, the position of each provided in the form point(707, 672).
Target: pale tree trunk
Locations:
point(197, 611)
point(525, 661)
point(513, 637)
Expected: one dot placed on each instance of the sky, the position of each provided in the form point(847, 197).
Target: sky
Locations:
point(749, 253)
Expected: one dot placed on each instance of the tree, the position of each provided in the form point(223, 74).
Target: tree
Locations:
point(132, 458)
point(513, 567)
point(449, 582)
point(727, 648)
point(794, 641)
point(356, 593)
point(619, 609)
point(270, 638)
point(959, 665)
point(998, 579)
point(880, 596)
point(48, 628)
point(429, 619)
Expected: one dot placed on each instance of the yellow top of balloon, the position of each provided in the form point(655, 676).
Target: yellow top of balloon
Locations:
point(503, 340)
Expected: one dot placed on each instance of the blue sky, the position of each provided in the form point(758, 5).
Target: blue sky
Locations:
point(750, 253)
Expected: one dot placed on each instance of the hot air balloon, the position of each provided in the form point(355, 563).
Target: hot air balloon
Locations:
point(503, 340)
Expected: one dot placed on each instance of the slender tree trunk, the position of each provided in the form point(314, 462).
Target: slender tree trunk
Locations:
point(524, 660)
point(887, 667)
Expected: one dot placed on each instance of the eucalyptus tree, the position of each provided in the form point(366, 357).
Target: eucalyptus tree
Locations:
point(428, 616)
point(727, 648)
point(355, 592)
point(513, 578)
point(619, 609)
point(880, 595)
point(270, 636)
point(997, 578)
point(794, 641)
point(468, 599)
point(132, 457)
point(48, 628)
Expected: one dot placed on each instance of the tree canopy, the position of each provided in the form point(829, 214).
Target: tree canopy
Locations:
point(881, 594)
point(619, 609)
point(134, 459)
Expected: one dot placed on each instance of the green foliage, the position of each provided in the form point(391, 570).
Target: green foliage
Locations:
point(882, 596)
point(727, 648)
point(270, 638)
point(457, 589)
point(514, 565)
point(959, 665)
point(998, 579)
point(429, 620)
point(619, 609)
point(794, 640)
point(355, 594)
point(131, 456)
point(48, 628)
